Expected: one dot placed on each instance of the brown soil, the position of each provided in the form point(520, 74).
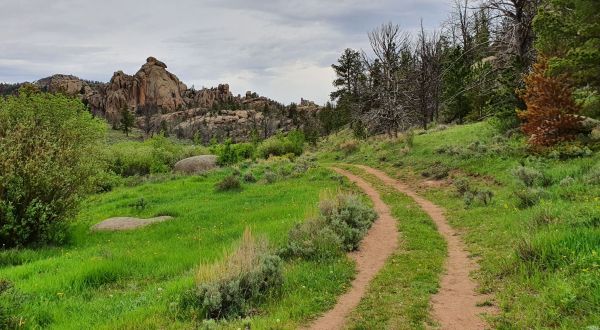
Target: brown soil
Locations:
point(380, 242)
point(127, 223)
point(455, 304)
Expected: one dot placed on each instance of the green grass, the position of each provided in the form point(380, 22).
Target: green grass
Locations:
point(542, 262)
point(398, 297)
point(134, 279)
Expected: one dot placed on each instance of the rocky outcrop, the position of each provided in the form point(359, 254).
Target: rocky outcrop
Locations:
point(152, 84)
point(206, 113)
point(67, 84)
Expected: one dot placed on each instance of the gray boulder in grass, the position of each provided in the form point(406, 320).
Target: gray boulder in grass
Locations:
point(196, 164)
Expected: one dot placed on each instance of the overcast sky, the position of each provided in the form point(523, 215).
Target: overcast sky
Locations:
point(281, 49)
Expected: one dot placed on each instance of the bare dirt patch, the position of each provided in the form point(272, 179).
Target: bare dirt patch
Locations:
point(127, 223)
point(376, 247)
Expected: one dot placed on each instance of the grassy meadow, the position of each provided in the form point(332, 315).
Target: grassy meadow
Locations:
point(134, 279)
point(537, 242)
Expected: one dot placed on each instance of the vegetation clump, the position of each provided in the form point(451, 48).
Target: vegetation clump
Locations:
point(280, 145)
point(230, 182)
point(233, 286)
point(437, 171)
point(157, 154)
point(342, 223)
point(229, 153)
point(48, 145)
point(9, 305)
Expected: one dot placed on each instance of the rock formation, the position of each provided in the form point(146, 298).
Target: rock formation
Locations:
point(202, 114)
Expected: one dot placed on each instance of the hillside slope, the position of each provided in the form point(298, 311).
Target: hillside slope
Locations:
point(532, 222)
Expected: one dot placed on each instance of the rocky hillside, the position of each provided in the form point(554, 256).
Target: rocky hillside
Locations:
point(161, 102)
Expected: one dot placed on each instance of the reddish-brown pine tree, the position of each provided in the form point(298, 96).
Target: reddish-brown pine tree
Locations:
point(551, 115)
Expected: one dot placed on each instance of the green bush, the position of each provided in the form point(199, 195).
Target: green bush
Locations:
point(593, 176)
point(229, 153)
point(270, 176)
point(349, 217)
point(280, 145)
point(48, 145)
point(529, 176)
point(437, 171)
point(569, 150)
point(462, 185)
point(155, 155)
point(230, 182)
point(529, 196)
point(249, 177)
point(231, 287)
point(342, 223)
point(313, 239)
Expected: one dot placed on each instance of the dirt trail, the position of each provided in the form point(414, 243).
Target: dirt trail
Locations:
point(380, 242)
point(455, 305)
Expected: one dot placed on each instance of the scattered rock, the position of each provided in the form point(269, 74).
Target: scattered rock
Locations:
point(196, 164)
point(127, 223)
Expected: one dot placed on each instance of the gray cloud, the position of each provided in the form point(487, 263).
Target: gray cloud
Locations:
point(279, 48)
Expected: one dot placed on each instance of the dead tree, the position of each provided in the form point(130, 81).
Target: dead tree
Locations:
point(391, 113)
point(514, 27)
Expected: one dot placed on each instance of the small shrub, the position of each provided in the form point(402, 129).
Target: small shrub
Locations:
point(226, 154)
point(478, 147)
point(249, 177)
point(468, 198)
point(348, 217)
point(544, 218)
point(313, 239)
point(349, 147)
point(436, 171)
point(593, 176)
point(529, 176)
point(462, 185)
point(529, 196)
point(229, 153)
point(230, 182)
point(567, 181)
point(232, 287)
point(140, 204)
point(342, 223)
point(280, 145)
point(484, 196)
point(270, 177)
point(569, 150)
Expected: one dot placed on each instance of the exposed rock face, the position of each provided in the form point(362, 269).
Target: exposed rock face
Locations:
point(207, 113)
point(152, 84)
point(67, 84)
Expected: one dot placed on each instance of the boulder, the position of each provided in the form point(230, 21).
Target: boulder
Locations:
point(196, 164)
point(127, 223)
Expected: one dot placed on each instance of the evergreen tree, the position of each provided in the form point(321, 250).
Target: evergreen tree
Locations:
point(349, 74)
point(127, 120)
point(568, 33)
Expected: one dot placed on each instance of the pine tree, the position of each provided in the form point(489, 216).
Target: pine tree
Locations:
point(127, 120)
point(551, 115)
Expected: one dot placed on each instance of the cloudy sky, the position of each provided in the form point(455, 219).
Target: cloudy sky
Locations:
point(279, 48)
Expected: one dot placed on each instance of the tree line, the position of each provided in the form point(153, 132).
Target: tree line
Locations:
point(474, 67)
